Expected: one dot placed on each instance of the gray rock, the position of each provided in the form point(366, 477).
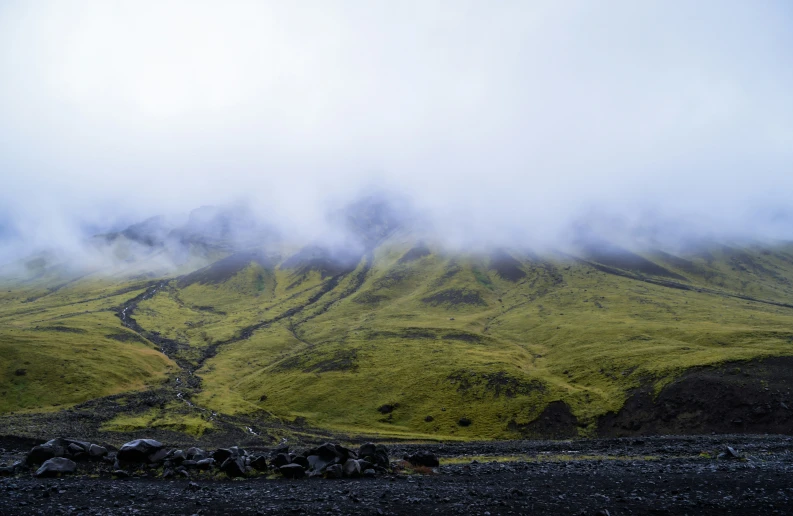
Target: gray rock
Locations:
point(334, 471)
point(351, 468)
point(424, 458)
point(56, 466)
point(140, 450)
point(281, 459)
point(158, 456)
point(292, 471)
point(96, 451)
point(205, 464)
point(259, 463)
point(234, 467)
point(196, 454)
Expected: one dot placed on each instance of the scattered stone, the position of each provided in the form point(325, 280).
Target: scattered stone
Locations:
point(729, 453)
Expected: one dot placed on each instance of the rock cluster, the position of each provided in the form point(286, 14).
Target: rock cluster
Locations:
point(67, 448)
point(332, 461)
point(57, 457)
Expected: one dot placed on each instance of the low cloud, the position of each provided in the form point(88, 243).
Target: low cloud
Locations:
point(502, 124)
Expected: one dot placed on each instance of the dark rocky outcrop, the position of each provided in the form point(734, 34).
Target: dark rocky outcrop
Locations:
point(736, 397)
point(556, 421)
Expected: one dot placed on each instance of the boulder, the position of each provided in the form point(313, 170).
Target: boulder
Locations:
point(292, 471)
point(96, 451)
point(205, 464)
point(375, 454)
point(281, 449)
point(334, 471)
point(351, 468)
point(41, 453)
point(56, 466)
point(423, 458)
point(369, 473)
point(317, 463)
point(75, 450)
point(234, 467)
point(140, 450)
point(259, 463)
point(196, 454)
point(220, 455)
point(301, 460)
point(281, 459)
point(12, 469)
point(178, 456)
point(159, 456)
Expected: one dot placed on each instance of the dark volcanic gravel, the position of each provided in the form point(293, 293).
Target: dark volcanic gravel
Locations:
point(659, 475)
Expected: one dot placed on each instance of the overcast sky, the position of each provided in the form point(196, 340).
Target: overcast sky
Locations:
point(495, 114)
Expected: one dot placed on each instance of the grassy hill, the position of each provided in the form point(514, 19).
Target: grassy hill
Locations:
point(405, 340)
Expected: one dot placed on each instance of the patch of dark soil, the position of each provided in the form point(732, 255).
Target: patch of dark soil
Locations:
point(417, 333)
point(322, 260)
point(225, 269)
point(455, 297)
point(387, 408)
point(125, 336)
point(506, 266)
point(339, 360)
point(416, 253)
point(677, 262)
point(449, 272)
point(367, 298)
point(210, 309)
point(463, 337)
point(614, 256)
point(737, 397)
point(406, 333)
point(555, 422)
point(479, 385)
point(62, 329)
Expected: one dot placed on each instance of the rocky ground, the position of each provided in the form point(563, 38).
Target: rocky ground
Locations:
point(653, 475)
